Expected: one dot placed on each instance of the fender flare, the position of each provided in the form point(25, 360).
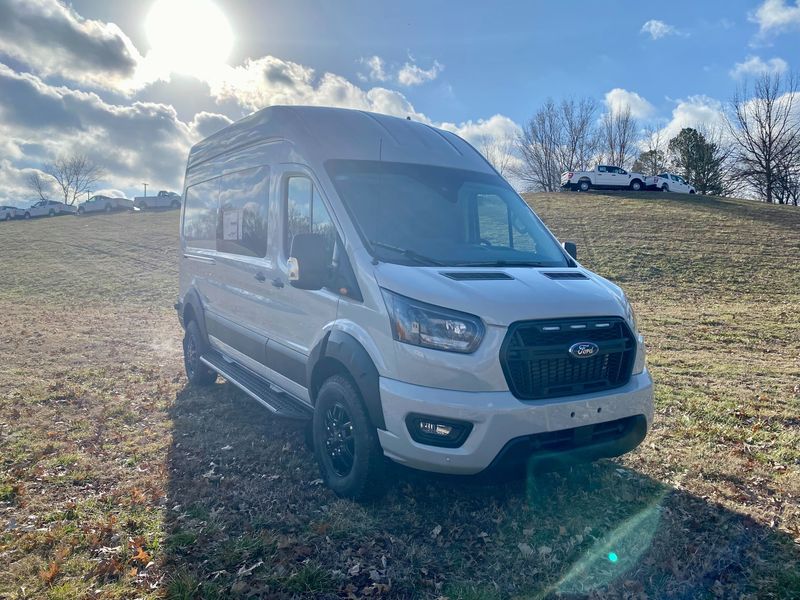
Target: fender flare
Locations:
point(192, 300)
point(348, 351)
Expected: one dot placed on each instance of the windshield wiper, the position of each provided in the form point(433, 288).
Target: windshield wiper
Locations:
point(501, 263)
point(420, 258)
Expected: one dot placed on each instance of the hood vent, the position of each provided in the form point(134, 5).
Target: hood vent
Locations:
point(564, 275)
point(477, 275)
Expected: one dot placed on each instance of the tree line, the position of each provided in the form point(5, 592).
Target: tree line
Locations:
point(755, 151)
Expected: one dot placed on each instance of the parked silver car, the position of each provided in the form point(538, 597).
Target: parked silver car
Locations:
point(107, 204)
point(7, 213)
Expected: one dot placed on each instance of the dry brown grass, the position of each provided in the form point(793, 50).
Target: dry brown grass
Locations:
point(116, 481)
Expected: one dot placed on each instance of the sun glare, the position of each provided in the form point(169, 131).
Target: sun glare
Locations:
point(188, 36)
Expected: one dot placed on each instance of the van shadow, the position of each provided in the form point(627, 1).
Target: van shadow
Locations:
point(248, 517)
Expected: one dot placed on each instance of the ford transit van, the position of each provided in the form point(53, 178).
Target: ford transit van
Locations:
point(376, 276)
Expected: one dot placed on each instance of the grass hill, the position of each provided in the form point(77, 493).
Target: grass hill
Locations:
point(117, 481)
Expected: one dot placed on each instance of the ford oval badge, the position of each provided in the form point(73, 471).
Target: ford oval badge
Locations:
point(584, 350)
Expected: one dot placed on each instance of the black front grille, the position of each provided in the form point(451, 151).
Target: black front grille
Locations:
point(537, 363)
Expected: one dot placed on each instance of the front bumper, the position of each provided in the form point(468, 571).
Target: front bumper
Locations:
point(500, 420)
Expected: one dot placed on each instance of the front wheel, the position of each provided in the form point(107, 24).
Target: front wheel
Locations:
point(691, 191)
point(193, 347)
point(27, 215)
point(584, 186)
point(52, 213)
point(346, 443)
point(636, 186)
point(665, 188)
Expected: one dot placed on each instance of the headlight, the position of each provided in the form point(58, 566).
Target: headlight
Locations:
point(429, 326)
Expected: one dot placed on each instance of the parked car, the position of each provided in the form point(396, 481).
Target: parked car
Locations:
point(376, 276)
point(669, 182)
point(164, 199)
point(7, 213)
point(104, 204)
point(602, 177)
point(46, 208)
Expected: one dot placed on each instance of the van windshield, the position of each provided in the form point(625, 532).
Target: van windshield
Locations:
point(427, 215)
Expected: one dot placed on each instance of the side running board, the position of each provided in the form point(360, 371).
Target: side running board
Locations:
point(279, 403)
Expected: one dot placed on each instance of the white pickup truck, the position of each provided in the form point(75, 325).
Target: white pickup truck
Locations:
point(104, 204)
point(46, 208)
point(163, 199)
point(670, 182)
point(604, 177)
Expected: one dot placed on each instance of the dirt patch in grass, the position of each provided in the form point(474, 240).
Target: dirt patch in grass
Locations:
point(117, 481)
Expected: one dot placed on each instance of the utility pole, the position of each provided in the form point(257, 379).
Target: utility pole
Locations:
point(87, 194)
point(145, 189)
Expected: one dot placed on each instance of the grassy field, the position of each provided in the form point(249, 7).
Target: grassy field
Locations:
point(116, 481)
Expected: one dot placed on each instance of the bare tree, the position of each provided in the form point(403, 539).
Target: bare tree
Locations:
point(653, 158)
point(537, 146)
point(559, 137)
point(499, 151)
point(765, 126)
point(74, 175)
point(578, 143)
point(619, 133)
point(38, 185)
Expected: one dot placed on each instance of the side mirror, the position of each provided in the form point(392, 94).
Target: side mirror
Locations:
point(571, 249)
point(309, 261)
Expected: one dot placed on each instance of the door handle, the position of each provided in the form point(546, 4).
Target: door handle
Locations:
point(277, 282)
point(260, 276)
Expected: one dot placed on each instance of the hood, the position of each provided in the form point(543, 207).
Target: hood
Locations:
point(501, 296)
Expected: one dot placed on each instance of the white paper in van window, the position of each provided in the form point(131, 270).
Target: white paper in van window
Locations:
point(232, 225)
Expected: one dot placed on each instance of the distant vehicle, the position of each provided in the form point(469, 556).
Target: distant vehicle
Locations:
point(104, 204)
point(164, 199)
point(669, 182)
point(604, 177)
point(7, 213)
point(46, 208)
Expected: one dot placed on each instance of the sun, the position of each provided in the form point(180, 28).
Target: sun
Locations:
point(188, 36)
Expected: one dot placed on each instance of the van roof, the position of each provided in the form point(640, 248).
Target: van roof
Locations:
point(322, 133)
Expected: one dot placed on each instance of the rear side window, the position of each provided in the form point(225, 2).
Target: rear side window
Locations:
point(601, 169)
point(200, 215)
point(243, 209)
point(306, 213)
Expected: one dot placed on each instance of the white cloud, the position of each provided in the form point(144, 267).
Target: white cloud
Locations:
point(377, 69)
point(52, 39)
point(269, 80)
point(412, 74)
point(110, 192)
point(136, 142)
point(657, 29)
point(408, 74)
point(698, 112)
point(754, 65)
point(777, 15)
point(619, 99)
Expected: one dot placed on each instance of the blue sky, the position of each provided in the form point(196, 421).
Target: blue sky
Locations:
point(478, 68)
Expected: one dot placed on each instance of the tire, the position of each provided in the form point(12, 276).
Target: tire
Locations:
point(143, 206)
point(27, 215)
point(52, 213)
point(8, 217)
point(636, 185)
point(584, 186)
point(346, 443)
point(691, 192)
point(175, 204)
point(194, 345)
point(108, 208)
point(81, 210)
point(665, 188)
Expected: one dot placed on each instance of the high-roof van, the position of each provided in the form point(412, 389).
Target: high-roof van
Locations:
point(378, 277)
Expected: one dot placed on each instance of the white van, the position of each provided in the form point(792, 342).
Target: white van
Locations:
point(377, 276)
